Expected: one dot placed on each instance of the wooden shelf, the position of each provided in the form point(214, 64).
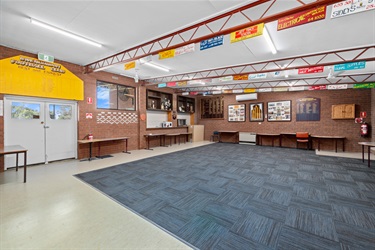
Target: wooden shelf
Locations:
point(159, 101)
point(343, 111)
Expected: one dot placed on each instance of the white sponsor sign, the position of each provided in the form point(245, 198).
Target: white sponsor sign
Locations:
point(237, 91)
point(296, 88)
point(226, 78)
point(185, 49)
point(282, 89)
point(258, 76)
point(216, 92)
point(349, 7)
point(265, 90)
point(338, 86)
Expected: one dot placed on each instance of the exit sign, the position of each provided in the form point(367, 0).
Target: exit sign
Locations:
point(46, 58)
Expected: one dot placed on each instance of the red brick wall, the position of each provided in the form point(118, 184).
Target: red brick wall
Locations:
point(372, 120)
point(326, 126)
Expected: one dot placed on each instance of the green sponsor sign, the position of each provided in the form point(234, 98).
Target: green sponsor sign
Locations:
point(45, 58)
point(364, 85)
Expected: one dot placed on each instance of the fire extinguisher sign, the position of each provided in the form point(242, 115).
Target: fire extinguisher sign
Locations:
point(363, 114)
point(88, 115)
point(89, 100)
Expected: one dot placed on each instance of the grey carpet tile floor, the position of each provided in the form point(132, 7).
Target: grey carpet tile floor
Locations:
point(228, 196)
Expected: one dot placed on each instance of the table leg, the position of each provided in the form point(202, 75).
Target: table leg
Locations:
point(90, 151)
point(363, 153)
point(126, 147)
point(318, 144)
point(16, 161)
point(336, 144)
point(273, 138)
point(24, 166)
point(280, 139)
point(343, 145)
point(148, 143)
point(368, 159)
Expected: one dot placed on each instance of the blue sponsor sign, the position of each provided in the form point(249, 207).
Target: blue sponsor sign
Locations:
point(162, 85)
point(350, 66)
point(212, 42)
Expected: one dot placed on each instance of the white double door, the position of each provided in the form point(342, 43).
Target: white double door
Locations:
point(47, 128)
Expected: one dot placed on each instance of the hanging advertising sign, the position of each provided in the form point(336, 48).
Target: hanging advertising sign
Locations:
point(185, 49)
point(237, 91)
point(194, 93)
point(185, 93)
point(258, 76)
point(350, 66)
point(212, 42)
point(338, 86)
point(162, 85)
point(130, 65)
point(262, 90)
point(184, 83)
point(227, 91)
point(320, 87)
point(166, 54)
point(364, 86)
point(311, 70)
point(247, 33)
point(249, 90)
point(226, 78)
point(240, 77)
point(296, 88)
point(350, 7)
point(216, 92)
point(281, 89)
point(300, 18)
point(171, 84)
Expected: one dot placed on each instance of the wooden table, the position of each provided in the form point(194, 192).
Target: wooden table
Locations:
point(332, 137)
point(226, 132)
point(186, 136)
point(16, 149)
point(92, 141)
point(285, 134)
point(369, 145)
point(273, 136)
point(149, 136)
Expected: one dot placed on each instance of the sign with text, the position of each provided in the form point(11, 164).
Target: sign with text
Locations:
point(364, 86)
point(247, 33)
point(300, 18)
point(350, 7)
point(183, 83)
point(265, 90)
point(166, 54)
point(130, 65)
point(338, 86)
point(171, 84)
point(320, 87)
point(162, 85)
point(240, 77)
point(350, 66)
point(185, 49)
point(46, 58)
point(249, 90)
point(212, 42)
point(258, 76)
point(226, 78)
point(311, 70)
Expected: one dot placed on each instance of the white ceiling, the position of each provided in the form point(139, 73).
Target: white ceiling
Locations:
point(120, 25)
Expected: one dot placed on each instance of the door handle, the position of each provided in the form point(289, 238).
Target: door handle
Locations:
point(46, 126)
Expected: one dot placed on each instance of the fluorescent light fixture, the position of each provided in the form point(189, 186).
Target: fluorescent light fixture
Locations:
point(156, 66)
point(269, 40)
point(63, 32)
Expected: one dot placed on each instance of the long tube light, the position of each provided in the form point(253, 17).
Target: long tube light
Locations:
point(63, 32)
point(156, 66)
point(269, 40)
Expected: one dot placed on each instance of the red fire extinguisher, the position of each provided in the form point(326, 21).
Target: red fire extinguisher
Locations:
point(364, 129)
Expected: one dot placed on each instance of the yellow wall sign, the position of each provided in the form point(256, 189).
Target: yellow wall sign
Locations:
point(130, 65)
point(246, 33)
point(166, 54)
point(22, 75)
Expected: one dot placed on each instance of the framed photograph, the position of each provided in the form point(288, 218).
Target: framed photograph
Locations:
point(256, 112)
point(236, 113)
point(308, 109)
point(280, 111)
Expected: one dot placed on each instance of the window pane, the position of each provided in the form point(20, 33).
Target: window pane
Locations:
point(60, 112)
point(126, 97)
point(106, 95)
point(23, 110)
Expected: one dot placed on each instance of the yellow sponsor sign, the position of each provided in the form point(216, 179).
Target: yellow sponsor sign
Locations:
point(240, 77)
point(22, 75)
point(249, 90)
point(183, 83)
point(167, 54)
point(130, 65)
point(247, 33)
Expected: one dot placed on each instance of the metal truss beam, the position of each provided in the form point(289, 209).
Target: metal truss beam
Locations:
point(291, 63)
point(190, 35)
point(314, 81)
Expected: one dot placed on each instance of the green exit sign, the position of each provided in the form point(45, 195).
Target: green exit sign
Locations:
point(46, 58)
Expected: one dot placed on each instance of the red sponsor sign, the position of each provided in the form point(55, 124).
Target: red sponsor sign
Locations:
point(311, 70)
point(194, 93)
point(321, 87)
point(171, 84)
point(302, 18)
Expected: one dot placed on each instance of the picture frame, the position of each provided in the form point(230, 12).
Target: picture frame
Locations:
point(279, 111)
point(308, 109)
point(237, 113)
point(256, 112)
